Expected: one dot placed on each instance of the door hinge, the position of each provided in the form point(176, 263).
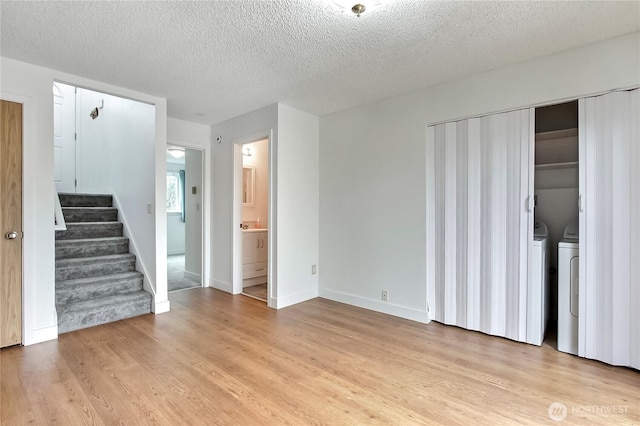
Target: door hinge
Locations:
point(75, 136)
point(75, 183)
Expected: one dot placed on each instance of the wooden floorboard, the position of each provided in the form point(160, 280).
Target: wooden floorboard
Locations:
point(222, 359)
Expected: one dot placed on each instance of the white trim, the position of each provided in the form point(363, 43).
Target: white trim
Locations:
point(59, 223)
point(375, 305)
point(538, 105)
point(206, 203)
point(43, 335)
point(140, 266)
point(222, 285)
point(292, 299)
point(161, 307)
point(236, 259)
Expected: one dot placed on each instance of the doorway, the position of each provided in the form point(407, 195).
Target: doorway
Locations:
point(184, 218)
point(251, 189)
point(556, 189)
point(11, 224)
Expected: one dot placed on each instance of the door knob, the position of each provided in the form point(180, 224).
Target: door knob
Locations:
point(11, 235)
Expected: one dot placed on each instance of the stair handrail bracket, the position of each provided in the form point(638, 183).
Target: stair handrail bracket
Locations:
point(59, 223)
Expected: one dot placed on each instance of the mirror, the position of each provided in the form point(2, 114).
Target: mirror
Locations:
point(248, 186)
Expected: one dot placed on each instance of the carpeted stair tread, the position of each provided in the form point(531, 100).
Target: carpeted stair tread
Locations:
point(91, 247)
point(74, 290)
point(96, 277)
point(85, 200)
point(90, 214)
point(84, 230)
point(94, 266)
point(75, 316)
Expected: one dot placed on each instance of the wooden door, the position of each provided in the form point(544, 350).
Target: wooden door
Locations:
point(10, 223)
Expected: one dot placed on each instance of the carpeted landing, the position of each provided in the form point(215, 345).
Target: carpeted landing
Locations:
point(175, 274)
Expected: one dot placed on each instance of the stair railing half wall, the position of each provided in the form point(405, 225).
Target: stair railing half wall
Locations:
point(58, 218)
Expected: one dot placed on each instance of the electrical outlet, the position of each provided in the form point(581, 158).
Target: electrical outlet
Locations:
point(313, 269)
point(385, 296)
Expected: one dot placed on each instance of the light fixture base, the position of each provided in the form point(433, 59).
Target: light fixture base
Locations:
point(358, 9)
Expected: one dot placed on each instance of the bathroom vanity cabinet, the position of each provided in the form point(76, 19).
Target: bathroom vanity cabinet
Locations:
point(254, 256)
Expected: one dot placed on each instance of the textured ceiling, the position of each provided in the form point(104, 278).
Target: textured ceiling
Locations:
point(214, 60)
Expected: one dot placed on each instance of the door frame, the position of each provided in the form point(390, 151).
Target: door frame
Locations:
point(236, 282)
point(206, 206)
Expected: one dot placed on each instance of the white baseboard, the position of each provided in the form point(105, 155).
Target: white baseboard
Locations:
point(41, 335)
point(291, 299)
point(192, 276)
point(174, 252)
point(376, 305)
point(222, 285)
point(161, 307)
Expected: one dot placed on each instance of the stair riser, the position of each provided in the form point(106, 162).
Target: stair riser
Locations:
point(94, 291)
point(89, 215)
point(78, 320)
point(90, 250)
point(73, 200)
point(97, 230)
point(94, 270)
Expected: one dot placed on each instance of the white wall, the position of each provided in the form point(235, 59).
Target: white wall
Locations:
point(249, 127)
point(372, 167)
point(293, 191)
point(259, 159)
point(116, 156)
point(175, 226)
point(198, 137)
point(193, 214)
point(32, 85)
point(298, 205)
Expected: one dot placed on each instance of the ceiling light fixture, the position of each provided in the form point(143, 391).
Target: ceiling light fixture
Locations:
point(358, 9)
point(176, 152)
point(246, 152)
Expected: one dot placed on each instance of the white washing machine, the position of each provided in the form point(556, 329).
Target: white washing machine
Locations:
point(568, 295)
point(538, 292)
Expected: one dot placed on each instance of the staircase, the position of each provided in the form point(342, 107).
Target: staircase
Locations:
point(96, 277)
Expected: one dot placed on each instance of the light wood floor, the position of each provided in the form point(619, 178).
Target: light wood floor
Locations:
point(258, 291)
point(220, 359)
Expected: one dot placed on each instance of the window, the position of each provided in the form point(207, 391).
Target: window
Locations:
point(174, 196)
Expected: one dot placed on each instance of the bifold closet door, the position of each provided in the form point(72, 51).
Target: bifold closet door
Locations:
point(609, 307)
point(479, 222)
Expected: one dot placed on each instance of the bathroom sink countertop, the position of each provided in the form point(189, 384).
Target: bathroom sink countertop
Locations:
point(254, 230)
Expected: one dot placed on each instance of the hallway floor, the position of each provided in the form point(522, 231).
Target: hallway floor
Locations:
point(175, 274)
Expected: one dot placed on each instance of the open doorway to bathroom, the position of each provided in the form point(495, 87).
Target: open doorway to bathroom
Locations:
point(255, 208)
point(184, 218)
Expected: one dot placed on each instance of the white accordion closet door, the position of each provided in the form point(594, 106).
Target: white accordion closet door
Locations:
point(609, 306)
point(480, 222)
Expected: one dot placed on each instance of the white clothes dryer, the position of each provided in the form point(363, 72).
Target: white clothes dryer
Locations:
point(568, 290)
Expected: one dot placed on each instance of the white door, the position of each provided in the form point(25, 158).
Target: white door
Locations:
point(479, 224)
point(609, 295)
point(64, 142)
